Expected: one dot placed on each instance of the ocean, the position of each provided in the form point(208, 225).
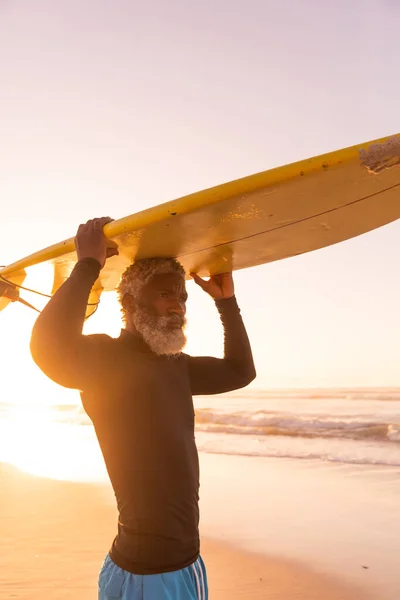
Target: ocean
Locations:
point(349, 426)
point(355, 426)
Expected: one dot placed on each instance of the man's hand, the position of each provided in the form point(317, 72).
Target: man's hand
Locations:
point(90, 241)
point(218, 286)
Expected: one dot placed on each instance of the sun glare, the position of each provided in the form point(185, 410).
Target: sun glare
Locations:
point(35, 440)
point(34, 435)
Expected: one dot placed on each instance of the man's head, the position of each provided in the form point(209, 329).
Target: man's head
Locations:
point(153, 296)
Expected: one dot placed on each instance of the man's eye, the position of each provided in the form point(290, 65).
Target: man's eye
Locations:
point(164, 294)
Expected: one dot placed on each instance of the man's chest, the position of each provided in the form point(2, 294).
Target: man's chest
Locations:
point(144, 393)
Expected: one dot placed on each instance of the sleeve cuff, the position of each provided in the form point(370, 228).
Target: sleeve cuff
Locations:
point(90, 266)
point(225, 305)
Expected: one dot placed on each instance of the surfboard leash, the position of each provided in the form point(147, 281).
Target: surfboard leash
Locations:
point(10, 290)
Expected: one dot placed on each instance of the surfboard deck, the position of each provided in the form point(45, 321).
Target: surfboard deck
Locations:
point(276, 214)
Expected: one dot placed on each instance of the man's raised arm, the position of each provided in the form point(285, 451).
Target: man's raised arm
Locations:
point(58, 345)
point(210, 375)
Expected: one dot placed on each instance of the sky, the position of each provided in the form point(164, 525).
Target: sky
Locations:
point(110, 108)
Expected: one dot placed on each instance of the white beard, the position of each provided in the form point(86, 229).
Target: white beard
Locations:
point(157, 335)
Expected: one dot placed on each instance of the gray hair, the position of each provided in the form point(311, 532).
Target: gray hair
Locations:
point(139, 273)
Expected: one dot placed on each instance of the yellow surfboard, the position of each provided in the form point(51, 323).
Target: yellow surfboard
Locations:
point(262, 218)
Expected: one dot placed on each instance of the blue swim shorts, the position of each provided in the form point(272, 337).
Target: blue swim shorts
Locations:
point(187, 584)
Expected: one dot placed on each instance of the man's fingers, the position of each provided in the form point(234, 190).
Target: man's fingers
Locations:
point(112, 248)
point(105, 221)
point(82, 227)
point(95, 224)
point(198, 280)
point(99, 224)
point(112, 252)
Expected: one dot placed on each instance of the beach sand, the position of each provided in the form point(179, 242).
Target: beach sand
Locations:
point(339, 519)
point(54, 536)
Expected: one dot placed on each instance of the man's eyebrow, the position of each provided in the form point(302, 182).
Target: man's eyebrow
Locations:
point(165, 288)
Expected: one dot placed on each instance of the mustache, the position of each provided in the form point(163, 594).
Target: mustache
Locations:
point(174, 320)
point(145, 314)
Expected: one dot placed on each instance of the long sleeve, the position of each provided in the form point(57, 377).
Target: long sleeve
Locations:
point(58, 346)
point(210, 375)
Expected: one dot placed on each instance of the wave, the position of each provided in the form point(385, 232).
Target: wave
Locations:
point(354, 459)
point(264, 423)
point(350, 394)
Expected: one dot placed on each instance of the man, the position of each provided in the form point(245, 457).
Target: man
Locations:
point(137, 390)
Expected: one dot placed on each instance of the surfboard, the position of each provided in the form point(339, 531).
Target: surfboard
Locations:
point(265, 217)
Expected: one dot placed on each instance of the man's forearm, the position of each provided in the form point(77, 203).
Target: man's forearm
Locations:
point(237, 349)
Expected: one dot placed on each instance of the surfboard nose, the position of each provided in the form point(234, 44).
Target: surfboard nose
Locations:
point(9, 291)
point(9, 288)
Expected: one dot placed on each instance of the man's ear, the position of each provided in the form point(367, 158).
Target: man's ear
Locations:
point(128, 303)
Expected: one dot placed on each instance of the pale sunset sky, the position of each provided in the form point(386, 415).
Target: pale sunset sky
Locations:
point(112, 107)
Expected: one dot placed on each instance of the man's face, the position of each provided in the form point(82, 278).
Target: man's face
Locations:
point(159, 315)
point(165, 296)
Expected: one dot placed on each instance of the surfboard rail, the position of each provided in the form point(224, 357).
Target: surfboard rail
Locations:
point(267, 216)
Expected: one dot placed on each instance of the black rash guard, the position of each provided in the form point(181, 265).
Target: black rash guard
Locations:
point(142, 410)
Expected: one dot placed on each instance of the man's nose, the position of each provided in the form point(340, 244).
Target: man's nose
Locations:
point(177, 307)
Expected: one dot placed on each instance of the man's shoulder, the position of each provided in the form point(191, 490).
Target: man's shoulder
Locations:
point(100, 337)
point(101, 340)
